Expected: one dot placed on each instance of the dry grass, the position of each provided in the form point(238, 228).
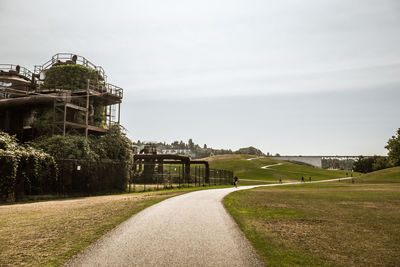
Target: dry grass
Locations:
point(49, 233)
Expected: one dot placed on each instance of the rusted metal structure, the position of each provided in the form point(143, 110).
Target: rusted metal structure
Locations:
point(174, 169)
point(150, 161)
point(22, 93)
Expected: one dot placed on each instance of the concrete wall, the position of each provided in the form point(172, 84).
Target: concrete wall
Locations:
point(315, 161)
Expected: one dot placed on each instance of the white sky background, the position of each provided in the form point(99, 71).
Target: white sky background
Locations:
point(295, 77)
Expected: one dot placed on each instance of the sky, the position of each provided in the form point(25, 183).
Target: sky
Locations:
point(293, 77)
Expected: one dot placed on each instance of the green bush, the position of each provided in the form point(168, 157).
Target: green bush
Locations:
point(72, 77)
point(103, 161)
point(68, 147)
point(8, 164)
point(8, 173)
point(24, 170)
point(104, 164)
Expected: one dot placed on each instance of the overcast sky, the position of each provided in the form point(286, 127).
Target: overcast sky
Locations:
point(306, 77)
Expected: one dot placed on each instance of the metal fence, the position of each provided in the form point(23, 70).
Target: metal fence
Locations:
point(152, 176)
point(111, 176)
point(69, 177)
point(91, 177)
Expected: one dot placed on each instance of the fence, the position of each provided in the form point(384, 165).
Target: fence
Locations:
point(77, 177)
point(146, 176)
point(111, 176)
point(82, 176)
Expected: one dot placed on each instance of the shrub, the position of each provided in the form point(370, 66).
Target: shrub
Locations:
point(8, 173)
point(24, 170)
point(104, 161)
point(72, 77)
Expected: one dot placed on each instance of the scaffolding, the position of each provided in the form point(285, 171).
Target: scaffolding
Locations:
point(21, 91)
point(77, 103)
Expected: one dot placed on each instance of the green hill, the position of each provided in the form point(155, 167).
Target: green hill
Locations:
point(385, 176)
point(249, 169)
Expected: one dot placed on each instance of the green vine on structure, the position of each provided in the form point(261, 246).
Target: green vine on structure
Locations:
point(71, 77)
point(43, 120)
point(99, 115)
point(68, 77)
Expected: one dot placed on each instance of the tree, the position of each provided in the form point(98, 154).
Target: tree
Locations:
point(363, 164)
point(370, 164)
point(394, 149)
point(380, 163)
point(190, 144)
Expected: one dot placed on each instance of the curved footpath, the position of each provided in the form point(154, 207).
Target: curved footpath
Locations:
point(191, 229)
point(267, 167)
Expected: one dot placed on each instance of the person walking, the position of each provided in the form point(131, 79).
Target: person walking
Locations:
point(309, 179)
point(280, 179)
point(236, 180)
point(302, 179)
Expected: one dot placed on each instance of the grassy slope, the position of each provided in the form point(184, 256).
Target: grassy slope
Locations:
point(335, 224)
point(390, 175)
point(251, 169)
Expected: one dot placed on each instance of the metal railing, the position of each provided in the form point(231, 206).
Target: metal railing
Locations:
point(65, 57)
point(106, 88)
point(12, 69)
point(114, 90)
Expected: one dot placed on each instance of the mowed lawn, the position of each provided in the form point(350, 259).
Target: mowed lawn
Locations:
point(324, 224)
point(250, 171)
point(49, 233)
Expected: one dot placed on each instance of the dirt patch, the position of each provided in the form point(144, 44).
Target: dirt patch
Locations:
point(65, 204)
point(387, 206)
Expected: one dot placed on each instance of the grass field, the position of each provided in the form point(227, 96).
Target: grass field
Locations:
point(250, 171)
point(324, 224)
point(48, 233)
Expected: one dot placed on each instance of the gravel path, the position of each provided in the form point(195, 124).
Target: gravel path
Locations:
point(191, 229)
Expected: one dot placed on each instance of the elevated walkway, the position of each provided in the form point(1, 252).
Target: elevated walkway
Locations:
point(15, 81)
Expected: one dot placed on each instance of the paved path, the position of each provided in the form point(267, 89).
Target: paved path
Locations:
point(267, 167)
point(193, 229)
point(255, 158)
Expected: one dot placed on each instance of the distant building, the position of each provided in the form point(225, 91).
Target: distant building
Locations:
point(324, 162)
point(186, 152)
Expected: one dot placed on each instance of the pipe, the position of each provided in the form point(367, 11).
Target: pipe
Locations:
point(29, 100)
